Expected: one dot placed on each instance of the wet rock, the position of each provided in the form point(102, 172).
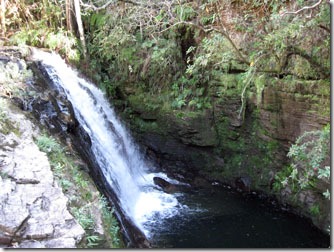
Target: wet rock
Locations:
point(243, 183)
point(55, 112)
point(169, 187)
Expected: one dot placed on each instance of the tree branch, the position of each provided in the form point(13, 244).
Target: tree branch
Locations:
point(304, 8)
point(95, 8)
point(225, 34)
point(113, 2)
point(208, 30)
point(325, 28)
point(323, 73)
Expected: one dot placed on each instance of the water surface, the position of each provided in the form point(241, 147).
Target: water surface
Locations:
point(227, 219)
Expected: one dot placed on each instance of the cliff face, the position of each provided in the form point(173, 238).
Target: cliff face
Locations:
point(216, 145)
point(288, 111)
point(290, 108)
point(275, 117)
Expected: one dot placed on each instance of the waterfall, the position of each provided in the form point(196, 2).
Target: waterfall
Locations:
point(116, 153)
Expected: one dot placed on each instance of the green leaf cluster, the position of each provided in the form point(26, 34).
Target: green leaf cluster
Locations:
point(187, 92)
point(310, 157)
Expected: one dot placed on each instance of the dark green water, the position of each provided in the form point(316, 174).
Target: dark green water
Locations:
point(226, 219)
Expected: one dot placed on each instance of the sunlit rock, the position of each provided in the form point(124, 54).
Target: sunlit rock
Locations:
point(33, 212)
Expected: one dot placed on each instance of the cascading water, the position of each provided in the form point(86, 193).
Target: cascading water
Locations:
point(115, 152)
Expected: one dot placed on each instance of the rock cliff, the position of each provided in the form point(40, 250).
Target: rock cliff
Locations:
point(34, 210)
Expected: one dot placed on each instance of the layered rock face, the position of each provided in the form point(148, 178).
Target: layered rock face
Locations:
point(182, 146)
point(289, 109)
point(216, 145)
point(33, 211)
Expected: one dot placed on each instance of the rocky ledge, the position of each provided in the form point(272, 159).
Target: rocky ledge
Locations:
point(33, 211)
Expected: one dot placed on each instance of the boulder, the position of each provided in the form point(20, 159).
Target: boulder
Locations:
point(169, 187)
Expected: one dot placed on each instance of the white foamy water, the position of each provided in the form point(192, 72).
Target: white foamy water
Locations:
point(117, 155)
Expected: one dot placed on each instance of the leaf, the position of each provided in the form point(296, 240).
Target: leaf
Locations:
point(159, 17)
point(324, 173)
point(191, 49)
point(327, 194)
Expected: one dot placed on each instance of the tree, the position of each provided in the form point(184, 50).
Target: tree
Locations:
point(69, 15)
point(80, 27)
point(3, 18)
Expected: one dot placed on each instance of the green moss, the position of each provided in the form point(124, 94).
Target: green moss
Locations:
point(230, 85)
point(324, 87)
point(6, 124)
point(146, 126)
point(260, 83)
point(302, 68)
point(245, 153)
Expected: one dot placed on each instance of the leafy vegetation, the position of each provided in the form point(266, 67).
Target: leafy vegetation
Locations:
point(110, 223)
point(309, 169)
point(185, 49)
point(40, 24)
point(310, 162)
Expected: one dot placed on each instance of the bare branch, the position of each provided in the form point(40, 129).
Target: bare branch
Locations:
point(112, 2)
point(304, 8)
point(95, 8)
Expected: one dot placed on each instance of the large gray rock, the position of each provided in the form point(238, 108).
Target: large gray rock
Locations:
point(33, 211)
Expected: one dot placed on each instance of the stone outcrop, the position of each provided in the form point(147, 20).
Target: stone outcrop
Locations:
point(33, 212)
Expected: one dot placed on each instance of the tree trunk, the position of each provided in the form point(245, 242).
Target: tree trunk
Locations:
point(80, 27)
point(69, 15)
point(3, 18)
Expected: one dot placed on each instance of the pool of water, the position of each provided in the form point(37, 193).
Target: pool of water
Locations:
point(227, 219)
